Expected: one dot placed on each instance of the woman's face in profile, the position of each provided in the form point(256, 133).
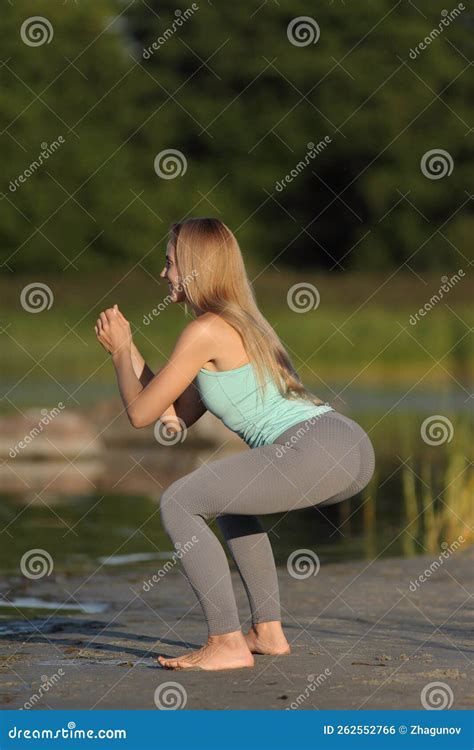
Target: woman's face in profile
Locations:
point(171, 273)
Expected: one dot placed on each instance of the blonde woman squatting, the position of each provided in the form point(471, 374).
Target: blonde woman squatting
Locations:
point(229, 360)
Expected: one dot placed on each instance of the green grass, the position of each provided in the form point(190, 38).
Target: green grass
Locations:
point(360, 331)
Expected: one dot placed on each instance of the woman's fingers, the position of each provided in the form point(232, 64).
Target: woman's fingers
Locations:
point(104, 321)
point(101, 335)
point(110, 314)
point(119, 313)
point(104, 344)
point(107, 315)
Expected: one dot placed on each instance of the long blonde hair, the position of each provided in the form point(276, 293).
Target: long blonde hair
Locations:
point(214, 279)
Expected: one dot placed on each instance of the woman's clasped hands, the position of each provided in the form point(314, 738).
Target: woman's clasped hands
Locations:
point(113, 331)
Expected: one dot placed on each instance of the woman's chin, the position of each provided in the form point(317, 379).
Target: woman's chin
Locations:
point(175, 295)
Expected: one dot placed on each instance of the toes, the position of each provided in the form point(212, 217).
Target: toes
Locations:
point(168, 663)
point(184, 662)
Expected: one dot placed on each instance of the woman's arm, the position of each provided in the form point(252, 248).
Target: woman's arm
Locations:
point(195, 347)
point(187, 408)
point(141, 369)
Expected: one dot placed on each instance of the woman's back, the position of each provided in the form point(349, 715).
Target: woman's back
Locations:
point(234, 396)
point(231, 392)
point(232, 352)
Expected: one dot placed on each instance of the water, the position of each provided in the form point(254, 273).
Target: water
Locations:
point(38, 605)
point(89, 532)
point(89, 516)
point(135, 557)
point(418, 398)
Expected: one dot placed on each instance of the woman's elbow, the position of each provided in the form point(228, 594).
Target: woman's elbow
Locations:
point(139, 422)
point(170, 424)
point(136, 421)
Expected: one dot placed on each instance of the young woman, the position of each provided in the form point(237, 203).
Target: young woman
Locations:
point(230, 361)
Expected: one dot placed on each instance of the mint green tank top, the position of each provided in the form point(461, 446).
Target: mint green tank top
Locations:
point(234, 397)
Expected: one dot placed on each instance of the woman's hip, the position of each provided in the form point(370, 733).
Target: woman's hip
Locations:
point(326, 425)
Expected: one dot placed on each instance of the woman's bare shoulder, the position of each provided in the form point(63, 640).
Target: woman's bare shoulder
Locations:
point(207, 326)
point(216, 334)
point(210, 322)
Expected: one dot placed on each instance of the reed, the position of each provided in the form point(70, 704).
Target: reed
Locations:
point(369, 496)
point(446, 503)
point(411, 512)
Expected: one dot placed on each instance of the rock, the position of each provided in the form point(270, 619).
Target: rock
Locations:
point(49, 433)
point(110, 419)
point(50, 480)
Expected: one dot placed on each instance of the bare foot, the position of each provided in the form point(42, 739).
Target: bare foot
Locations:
point(227, 651)
point(267, 638)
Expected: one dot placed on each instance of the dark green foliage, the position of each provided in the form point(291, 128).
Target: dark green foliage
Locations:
point(241, 102)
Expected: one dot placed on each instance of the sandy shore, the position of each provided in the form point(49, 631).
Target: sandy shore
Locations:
point(361, 639)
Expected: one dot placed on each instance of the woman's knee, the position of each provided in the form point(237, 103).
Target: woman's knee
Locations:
point(171, 507)
point(183, 500)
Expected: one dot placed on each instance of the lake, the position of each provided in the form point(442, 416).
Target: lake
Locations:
point(104, 512)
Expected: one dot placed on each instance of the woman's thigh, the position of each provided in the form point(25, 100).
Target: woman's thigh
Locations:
point(272, 479)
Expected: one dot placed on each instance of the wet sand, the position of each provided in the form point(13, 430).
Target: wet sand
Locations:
point(361, 639)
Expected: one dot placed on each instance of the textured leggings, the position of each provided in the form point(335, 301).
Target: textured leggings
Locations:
point(319, 461)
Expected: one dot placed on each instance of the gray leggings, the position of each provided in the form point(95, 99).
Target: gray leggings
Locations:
point(319, 461)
